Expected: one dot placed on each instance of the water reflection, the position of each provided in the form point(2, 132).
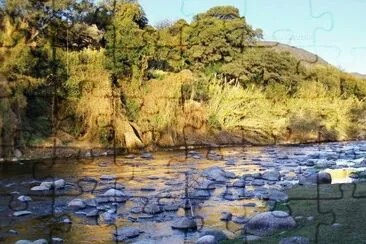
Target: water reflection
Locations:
point(160, 180)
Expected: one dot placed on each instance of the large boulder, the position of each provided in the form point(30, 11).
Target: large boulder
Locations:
point(267, 223)
point(315, 178)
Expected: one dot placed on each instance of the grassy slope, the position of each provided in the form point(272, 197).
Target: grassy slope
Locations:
point(348, 211)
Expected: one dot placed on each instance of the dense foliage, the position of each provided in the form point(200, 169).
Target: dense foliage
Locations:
point(79, 72)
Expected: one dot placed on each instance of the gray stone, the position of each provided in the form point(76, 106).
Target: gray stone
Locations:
point(271, 175)
point(208, 239)
point(184, 223)
point(21, 213)
point(39, 188)
point(230, 175)
point(108, 177)
point(295, 240)
point(201, 194)
point(59, 184)
point(114, 193)
point(310, 218)
point(91, 202)
point(24, 198)
point(77, 203)
point(23, 242)
point(171, 207)
point(315, 178)
point(18, 153)
point(218, 234)
point(136, 210)
point(152, 209)
point(57, 240)
point(206, 185)
point(214, 173)
point(239, 183)
point(92, 213)
point(257, 182)
point(267, 223)
point(40, 241)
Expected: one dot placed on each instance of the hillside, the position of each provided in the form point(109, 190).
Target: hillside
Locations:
point(306, 56)
point(115, 80)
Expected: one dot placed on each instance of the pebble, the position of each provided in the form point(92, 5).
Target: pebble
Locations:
point(21, 213)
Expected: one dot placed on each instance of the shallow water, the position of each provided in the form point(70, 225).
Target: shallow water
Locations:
point(166, 174)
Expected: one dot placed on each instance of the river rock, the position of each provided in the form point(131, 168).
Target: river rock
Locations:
point(230, 175)
point(21, 213)
point(239, 183)
point(272, 175)
point(152, 209)
point(125, 233)
point(267, 223)
point(91, 202)
point(208, 239)
point(206, 185)
point(184, 223)
point(201, 194)
point(24, 198)
point(77, 204)
point(40, 241)
point(39, 188)
point(171, 207)
point(136, 210)
point(257, 182)
point(108, 177)
point(315, 178)
point(114, 193)
point(218, 234)
point(295, 240)
point(215, 173)
point(92, 213)
point(57, 240)
point(18, 153)
point(23, 242)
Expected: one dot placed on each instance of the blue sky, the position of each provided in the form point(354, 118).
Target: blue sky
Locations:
point(333, 29)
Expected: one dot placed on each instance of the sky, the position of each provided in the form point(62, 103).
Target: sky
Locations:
point(333, 29)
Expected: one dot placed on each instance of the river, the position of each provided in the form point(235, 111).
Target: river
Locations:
point(155, 189)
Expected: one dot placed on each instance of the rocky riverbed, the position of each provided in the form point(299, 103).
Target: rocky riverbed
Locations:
point(166, 197)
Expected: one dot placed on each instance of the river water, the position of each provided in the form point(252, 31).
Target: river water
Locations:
point(162, 182)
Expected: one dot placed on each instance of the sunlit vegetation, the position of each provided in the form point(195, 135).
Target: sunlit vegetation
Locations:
point(88, 73)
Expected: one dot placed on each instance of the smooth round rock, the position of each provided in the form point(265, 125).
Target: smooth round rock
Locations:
point(208, 239)
point(267, 223)
point(184, 223)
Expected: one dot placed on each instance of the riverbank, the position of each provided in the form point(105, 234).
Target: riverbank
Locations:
point(77, 151)
point(338, 216)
